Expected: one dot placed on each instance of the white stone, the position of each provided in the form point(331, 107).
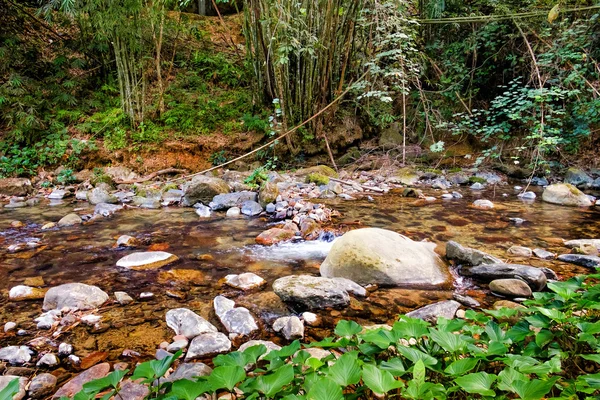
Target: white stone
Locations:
point(123, 298)
point(10, 326)
point(245, 281)
point(65, 349)
point(146, 260)
point(222, 304)
point(48, 360)
point(291, 327)
point(203, 211)
point(233, 212)
point(484, 204)
point(310, 318)
point(91, 319)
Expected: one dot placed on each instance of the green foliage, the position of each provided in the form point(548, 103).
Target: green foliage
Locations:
point(65, 176)
point(257, 177)
point(218, 158)
point(10, 390)
point(542, 354)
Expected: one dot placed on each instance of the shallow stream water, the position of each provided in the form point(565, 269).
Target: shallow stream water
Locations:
point(219, 246)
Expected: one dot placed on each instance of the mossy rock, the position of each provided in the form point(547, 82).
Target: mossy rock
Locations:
point(351, 155)
point(477, 179)
point(170, 186)
point(317, 179)
point(454, 170)
point(101, 177)
point(318, 169)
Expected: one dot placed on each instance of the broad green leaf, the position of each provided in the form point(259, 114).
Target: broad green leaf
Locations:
point(519, 332)
point(325, 389)
point(478, 382)
point(235, 358)
point(593, 380)
point(450, 342)
point(346, 370)
point(410, 327)
point(272, 383)
point(189, 390)
point(381, 338)
point(314, 363)
point(461, 367)
point(347, 328)
point(10, 390)
point(553, 314)
point(591, 357)
point(494, 332)
point(419, 372)
point(151, 370)
point(507, 377)
point(394, 365)
point(110, 380)
point(543, 337)
point(534, 389)
point(226, 377)
point(496, 348)
point(415, 355)
point(284, 352)
point(378, 380)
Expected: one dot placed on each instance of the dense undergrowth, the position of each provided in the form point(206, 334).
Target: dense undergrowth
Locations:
point(549, 348)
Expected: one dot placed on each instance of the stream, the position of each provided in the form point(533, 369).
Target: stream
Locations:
point(210, 249)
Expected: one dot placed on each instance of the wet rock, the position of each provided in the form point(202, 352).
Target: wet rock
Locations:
point(171, 196)
point(550, 274)
point(527, 195)
point(188, 371)
point(106, 210)
point(48, 225)
point(22, 292)
point(313, 292)
point(519, 251)
point(566, 195)
point(123, 298)
point(317, 169)
point(581, 260)
point(81, 195)
point(581, 242)
point(229, 200)
point(152, 203)
point(510, 287)
point(48, 319)
point(74, 386)
point(6, 379)
point(10, 326)
point(432, 312)
point(468, 256)
point(48, 360)
point(65, 349)
point(203, 189)
point(477, 186)
point(146, 295)
point(245, 281)
point(507, 304)
point(42, 385)
point(251, 208)
point(489, 272)
point(239, 320)
point(274, 236)
point(544, 254)
point(15, 187)
point(147, 260)
point(177, 345)
point(34, 281)
point(187, 323)
point(203, 211)
point(58, 194)
point(133, 391)
point(466, 300)
point(233, 212)
point(120, 174)
point(208, 344)
point(483, 204)
point(16, 355)
point(127, 241)
point(290, 327)
point(268, 193)
point(186, 276)
point(268, 344)
point(577, 177)
point(70, 220)
point(75, 296)
point(373, 255)
point(222, 304)
point(100, 195)
point(310, 229)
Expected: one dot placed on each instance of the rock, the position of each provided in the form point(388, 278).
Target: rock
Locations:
point(130, 390)
point(391, 137)
point(268, 193)
point(106, 210)
point(57, 194)
point(70, 220)
point(406, 176)
point(100, 195)
point(222, 304)
point(15, 187)
point(510, 287)
point(527, 195)
point(48, 360)
point(310, 229)
point(468, 256)
point(310, 319)
point(566, 195)
point(6, 379)
point(9, 326)
point(580, 242)
point(270, 208)
point(203, 211)
point(74, 386)
point(239, 320)
point(490, 177)
point(539, 181)
point(203, 189)
point(312, 292)
point(251, 208)
point(48, 225)
point(245, 281)
point(519, 251)
point(577, 177)
point(16, 355)
point(123, 298)
point(65, 349)
point(177, 345)
point(188, 371)
point(152, 203)
point(483, 204)
point(208, 344)
point(75, 296)
point(274, 236)
point(228, 200)
point(120, 174)
point(127, 241)
point(22, 292)
point(187, 323)
point(233, 212)
point(373, 255)
point(544, 254)
point(291, 327)
point(432, 312)
point(507, 304)
point(147, 260)
point(48, 319)
point(477, 186)
point(171, 196)
point(317, 169)
point(489, 272)
point(42, 385)
point(581, 260)
point(466, 300)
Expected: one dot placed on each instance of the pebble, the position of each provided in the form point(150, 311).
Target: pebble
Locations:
point(483, 204)
point(203, 211)
point(177, 345)
point(517, 221)
point(477, 186)
point(42, 385)
point(146, 295)
point(457, 195)
point(234, 212)
point(447, 196)
point(48, 225)
point(291, 327)
point(65, 349)
point(9, 326)
point(544, 254)
point(520, 251)
point(123, 298)
point(309, 318)
point(48, 360)
point(527, 195)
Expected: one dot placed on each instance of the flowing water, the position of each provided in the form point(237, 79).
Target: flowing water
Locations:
point(219, 246)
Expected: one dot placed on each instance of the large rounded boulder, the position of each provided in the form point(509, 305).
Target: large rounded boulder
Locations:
point(373, 255)
point(566, 194)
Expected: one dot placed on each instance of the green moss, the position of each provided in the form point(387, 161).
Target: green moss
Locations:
point(453, 170)
point(100, 177)
point(169, 186)
point(317, 179)
point(434, 171)
point(477, 179)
